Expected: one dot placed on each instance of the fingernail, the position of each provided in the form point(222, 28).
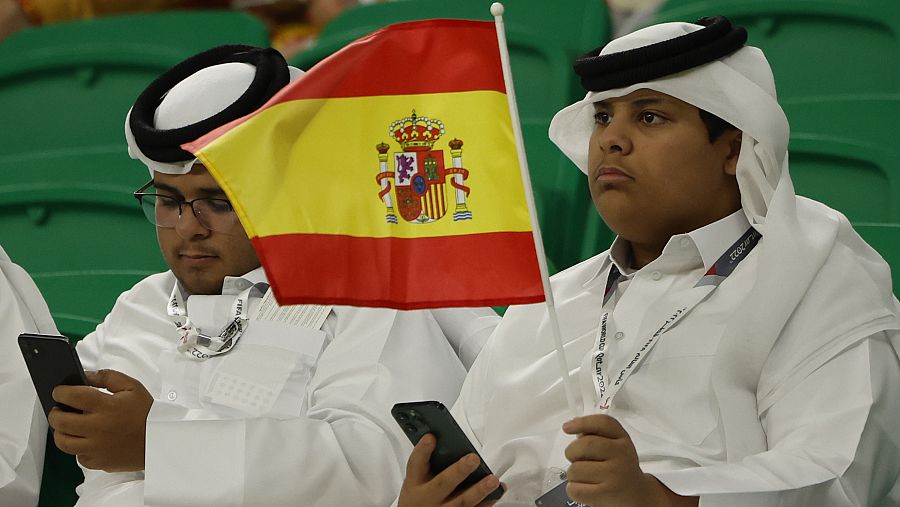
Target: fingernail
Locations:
point(567, 426)
point(491, 483)
point(472, 461)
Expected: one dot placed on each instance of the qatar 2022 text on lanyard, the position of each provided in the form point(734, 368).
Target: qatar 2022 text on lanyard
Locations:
point(607, 387)
point(202, 346)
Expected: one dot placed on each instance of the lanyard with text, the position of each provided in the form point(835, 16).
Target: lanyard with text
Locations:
point(607, 387)
point(202, 346)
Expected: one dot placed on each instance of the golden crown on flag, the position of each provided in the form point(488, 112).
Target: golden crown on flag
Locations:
point(416, 133)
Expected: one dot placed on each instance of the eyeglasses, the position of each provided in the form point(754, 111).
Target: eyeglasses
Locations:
point(165, 211)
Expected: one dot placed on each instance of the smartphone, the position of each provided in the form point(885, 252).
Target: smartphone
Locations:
point(421, 417)
point(51, 361)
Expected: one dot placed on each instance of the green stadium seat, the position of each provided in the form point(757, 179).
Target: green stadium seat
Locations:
point(67, 86)
point(574, 25)
point(66, 210)
point(816, 47)
point(560, 193)
point(842, 155)
point(65, 178)
point(72, 223)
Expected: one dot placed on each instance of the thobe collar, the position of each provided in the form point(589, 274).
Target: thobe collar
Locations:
point(233, 285)
point(701, 247)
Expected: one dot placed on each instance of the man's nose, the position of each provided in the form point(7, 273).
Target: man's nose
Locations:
point(614, 137)
point(188, 226)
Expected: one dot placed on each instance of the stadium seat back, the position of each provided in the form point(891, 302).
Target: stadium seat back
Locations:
point(815, 47)
point(842, 154)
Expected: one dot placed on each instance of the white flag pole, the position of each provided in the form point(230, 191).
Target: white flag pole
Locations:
point(497, 12)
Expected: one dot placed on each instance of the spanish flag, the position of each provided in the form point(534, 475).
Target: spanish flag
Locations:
point(387, 176)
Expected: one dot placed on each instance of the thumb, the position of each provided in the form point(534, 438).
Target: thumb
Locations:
point(112, 380)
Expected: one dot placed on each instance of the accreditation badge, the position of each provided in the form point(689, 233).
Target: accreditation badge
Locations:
point(557, 497)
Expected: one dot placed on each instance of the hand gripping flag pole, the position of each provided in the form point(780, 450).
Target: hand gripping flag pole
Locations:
point(497, 12)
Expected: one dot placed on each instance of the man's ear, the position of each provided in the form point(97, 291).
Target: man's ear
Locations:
point(734, 150)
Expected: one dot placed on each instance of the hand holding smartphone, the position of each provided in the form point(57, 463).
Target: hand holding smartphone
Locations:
point(422, 417)
point(51, 361)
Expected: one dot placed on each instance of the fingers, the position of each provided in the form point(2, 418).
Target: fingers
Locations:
point(112, 380)
point(446, 482)
point(581, 493)
point(420, 488)
point(589, 472)
point(476, 493)
point(418, 470)
point(70, 444)
point(594, 448)
point(83, 398)
point(595, 424)
point(70, 423)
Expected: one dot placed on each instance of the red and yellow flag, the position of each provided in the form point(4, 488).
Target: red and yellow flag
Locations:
point(386, 176)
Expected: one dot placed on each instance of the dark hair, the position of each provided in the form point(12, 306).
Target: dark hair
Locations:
point(715, 126)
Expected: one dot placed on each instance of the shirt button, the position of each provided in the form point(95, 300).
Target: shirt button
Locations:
point(656, 275)
point(172, 396)
point(619, 335)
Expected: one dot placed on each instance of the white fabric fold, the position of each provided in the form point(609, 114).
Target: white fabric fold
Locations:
point(23, 426)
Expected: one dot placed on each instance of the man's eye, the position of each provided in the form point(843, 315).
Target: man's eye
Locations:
point(219, 205)
point(601, 118)
point(166, 202)
point(651, 118)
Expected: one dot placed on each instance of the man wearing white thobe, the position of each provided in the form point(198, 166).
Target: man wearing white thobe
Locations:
point(23, 426)
point(218, 395)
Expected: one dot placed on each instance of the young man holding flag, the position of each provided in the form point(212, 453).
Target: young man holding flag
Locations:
point(217, 395)
point(737, 345)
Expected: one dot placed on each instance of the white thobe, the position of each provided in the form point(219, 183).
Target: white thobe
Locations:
point(843, 412)
point(325, 436)
point(23, 427)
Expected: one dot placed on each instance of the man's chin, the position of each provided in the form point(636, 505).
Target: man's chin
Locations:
point(199, 281)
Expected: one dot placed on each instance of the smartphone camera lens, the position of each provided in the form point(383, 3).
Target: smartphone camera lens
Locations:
point(402, 417)
point(409, 428)
point(36, 351)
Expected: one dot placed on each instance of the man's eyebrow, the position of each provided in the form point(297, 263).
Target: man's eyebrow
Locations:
point(650, 101)
point(636, 103)
point(211, 191)
point(206, 191)
point(167, 188)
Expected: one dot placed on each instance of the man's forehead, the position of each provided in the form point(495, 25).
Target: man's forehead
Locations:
point(641, 97)
point(198, 179)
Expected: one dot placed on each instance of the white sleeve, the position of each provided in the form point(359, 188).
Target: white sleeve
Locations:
point(844, 413)
point(467, 329)
point(102, 489)
point(344, 450)
point(470, 408)
point(23, 427)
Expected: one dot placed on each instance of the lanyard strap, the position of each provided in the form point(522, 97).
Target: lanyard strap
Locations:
point(202, 346)
point(607, 388)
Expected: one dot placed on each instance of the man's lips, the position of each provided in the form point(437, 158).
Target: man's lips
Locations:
point(196, 257)
point(610, 174)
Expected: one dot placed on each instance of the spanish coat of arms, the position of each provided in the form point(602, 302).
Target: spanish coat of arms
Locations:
point(420, 177)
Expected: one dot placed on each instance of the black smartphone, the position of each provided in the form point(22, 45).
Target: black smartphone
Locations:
point(418, 418)
point(51, 361)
